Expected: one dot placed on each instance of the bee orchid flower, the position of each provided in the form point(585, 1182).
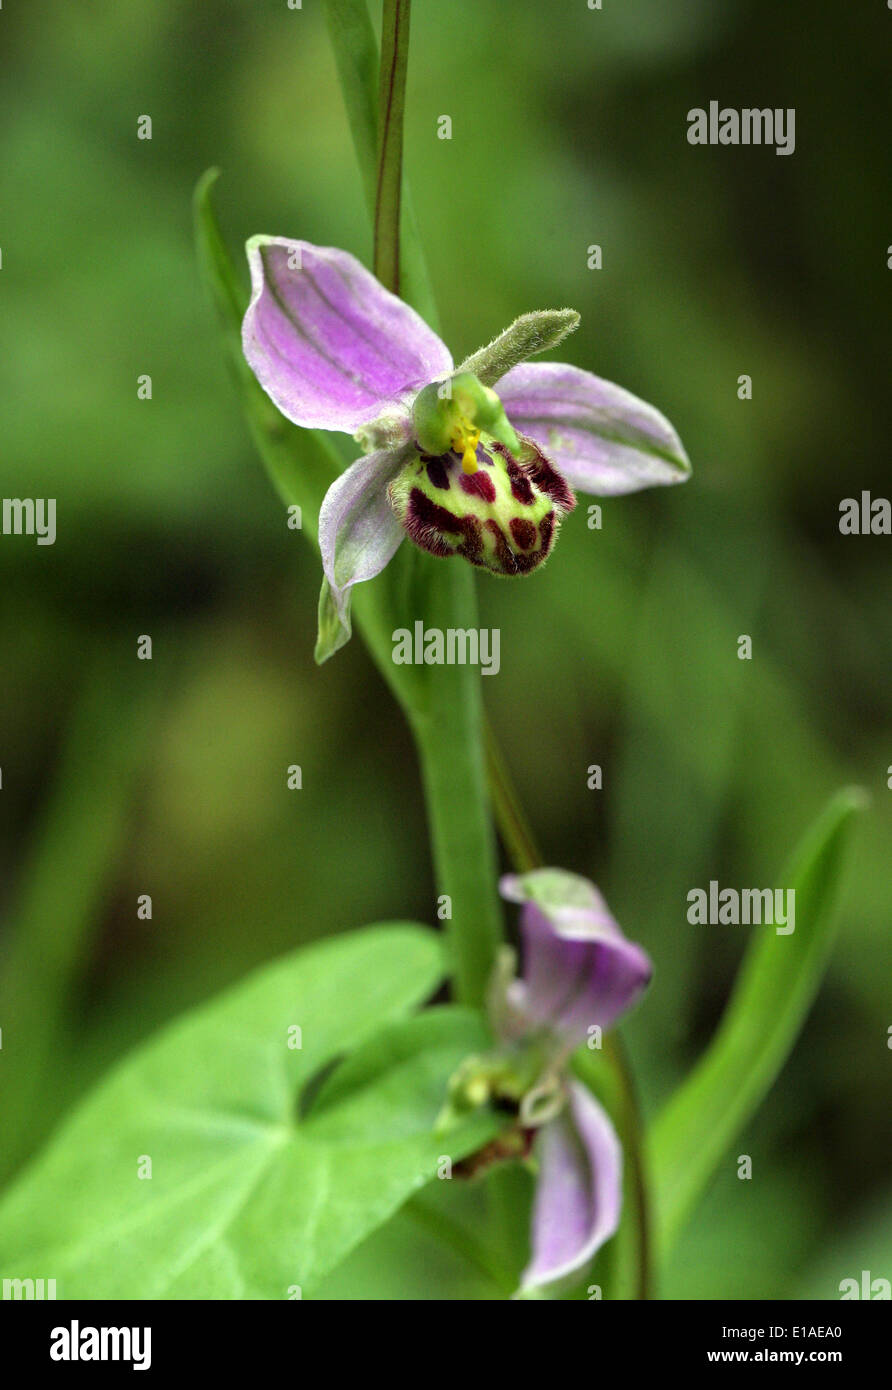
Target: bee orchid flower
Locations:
point(448, 462)
point(580, 974)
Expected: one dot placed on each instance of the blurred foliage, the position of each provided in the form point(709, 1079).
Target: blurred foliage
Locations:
point(568, 129)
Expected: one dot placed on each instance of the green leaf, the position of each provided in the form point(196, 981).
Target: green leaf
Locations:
point(248, 1196)
point(356, 57)
point(429, 1046)
point(779, 978)
point(420, 1051)
point(526, 336)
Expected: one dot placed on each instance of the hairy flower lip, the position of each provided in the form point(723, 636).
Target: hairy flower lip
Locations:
point(335, 350)
point(504, 516)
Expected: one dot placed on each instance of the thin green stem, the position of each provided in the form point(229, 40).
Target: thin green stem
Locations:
point(633, 1128)
point(391, 106)
point(524, 854)
point(514, 827)
point(445, 710)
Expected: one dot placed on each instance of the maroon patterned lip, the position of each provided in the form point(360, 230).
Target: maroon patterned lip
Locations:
point(521, 487)
point(548, 480)
point(436, 471)
point(472, 545)
point(524, 533)
point(426, 523)
point(478, 484)
point(535, 472)
point(509, 562)
point(509, 545)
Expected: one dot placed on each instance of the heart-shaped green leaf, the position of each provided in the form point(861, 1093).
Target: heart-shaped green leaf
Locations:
point(205, 1167)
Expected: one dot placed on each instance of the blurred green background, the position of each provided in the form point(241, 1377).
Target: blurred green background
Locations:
point(122, 777)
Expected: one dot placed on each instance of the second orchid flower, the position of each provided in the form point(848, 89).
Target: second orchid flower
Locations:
point(580, 974)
